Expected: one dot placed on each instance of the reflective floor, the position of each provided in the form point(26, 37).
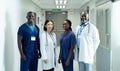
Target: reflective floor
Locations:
point(59, 67)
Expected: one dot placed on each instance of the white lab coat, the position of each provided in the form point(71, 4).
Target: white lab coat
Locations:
point(47, 50)
point(89, 42)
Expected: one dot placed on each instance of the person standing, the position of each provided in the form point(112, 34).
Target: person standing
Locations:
point(87, 43)
point(67, 44)
point(29, 44)
point(48, 46)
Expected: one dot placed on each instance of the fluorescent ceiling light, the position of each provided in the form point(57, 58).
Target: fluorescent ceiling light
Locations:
point(60, 6)
point(56, 1)
point(64, 6)
point(57, 6)
point(61, 1)
point(65, 1)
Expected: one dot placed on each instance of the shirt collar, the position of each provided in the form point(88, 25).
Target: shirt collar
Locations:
point(84, 24)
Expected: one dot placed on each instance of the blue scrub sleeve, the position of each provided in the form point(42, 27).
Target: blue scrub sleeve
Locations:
point(21, 30)
point(73, 39)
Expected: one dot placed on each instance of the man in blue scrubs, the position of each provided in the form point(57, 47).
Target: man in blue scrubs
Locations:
point(29, 44)
point(67, 44)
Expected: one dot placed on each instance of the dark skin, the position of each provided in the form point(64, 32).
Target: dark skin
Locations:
point(30, 19)
point(83, 17)
point(66, 28)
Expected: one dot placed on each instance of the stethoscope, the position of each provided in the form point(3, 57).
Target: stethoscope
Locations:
point(51, 38)
point(83, 26)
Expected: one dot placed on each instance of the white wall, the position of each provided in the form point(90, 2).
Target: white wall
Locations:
point(75, 18)
point(115, 36)
point(2, 34)
point(13, 14)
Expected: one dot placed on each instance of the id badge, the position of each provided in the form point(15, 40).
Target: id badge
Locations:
point(33, 38)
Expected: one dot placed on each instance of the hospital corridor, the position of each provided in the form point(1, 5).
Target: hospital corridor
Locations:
point(103, 14)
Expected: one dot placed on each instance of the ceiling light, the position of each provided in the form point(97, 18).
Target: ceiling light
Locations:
point(65, 1)
point(64, 6)
point(60, 6)
point(61, 1)
point(56, 1)
point(57, 6)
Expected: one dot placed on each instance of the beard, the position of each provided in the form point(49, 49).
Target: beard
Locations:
point(31, 21)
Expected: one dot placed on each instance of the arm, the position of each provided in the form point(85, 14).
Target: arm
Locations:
point(70, 54)
point(39, 53)
point(42, 48)
point(20, 47)
point(59, 59)
point(72, 45)
point(96, 39)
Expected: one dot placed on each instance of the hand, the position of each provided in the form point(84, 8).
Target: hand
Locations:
point(46, 61)
point(39, 55)
point(23, 57)
point(67, 62)
point(59, 60)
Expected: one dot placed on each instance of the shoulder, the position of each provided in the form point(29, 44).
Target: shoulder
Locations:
point(22, 27)
point(71, 33)
point(43, 34)
point(93, 26)
point(54, 34)
point(36, 26)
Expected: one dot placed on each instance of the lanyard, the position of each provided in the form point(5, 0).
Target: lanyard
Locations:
point(52, 37)
point(81, 28)
point(79, 32)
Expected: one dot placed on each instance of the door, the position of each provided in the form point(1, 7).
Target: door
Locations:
point(103, 56)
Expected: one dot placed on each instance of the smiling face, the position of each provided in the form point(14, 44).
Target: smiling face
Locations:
point(83, 18)
point(30, 17)
point(49, 26)
point(66, 25)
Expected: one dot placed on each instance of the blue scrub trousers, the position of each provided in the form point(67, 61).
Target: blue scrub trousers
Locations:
point(84, 66)
point(69, 67)
point(30, 64)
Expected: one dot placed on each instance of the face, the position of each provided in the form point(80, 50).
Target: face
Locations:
point(30, 18)
point(49, 26)
point(65, 25)
point(83, 18)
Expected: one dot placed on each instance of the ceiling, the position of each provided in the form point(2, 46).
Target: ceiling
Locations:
point(50, 4)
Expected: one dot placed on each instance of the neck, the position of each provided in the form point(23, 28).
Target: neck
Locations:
point(49, 32)
point(30, 23)
point(67, 30)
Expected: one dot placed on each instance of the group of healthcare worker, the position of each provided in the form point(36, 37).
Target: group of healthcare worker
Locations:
point(82, 45)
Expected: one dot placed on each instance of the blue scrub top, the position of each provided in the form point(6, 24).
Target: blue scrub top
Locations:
point(66, 40)
point(28, 45)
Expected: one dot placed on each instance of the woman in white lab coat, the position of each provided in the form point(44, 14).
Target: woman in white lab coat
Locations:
point(48, 45)
point(87, 43)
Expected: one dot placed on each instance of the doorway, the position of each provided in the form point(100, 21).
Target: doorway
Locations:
point(103, 58)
